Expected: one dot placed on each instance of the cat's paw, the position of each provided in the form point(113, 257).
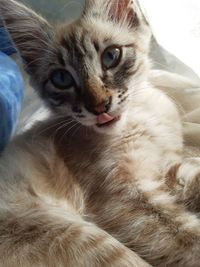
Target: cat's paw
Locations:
point(188, 172)
point(188, 179)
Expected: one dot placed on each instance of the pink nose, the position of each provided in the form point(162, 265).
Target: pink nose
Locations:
point(101, 108)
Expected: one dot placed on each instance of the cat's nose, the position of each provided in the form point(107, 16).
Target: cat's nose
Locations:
point(103, 107)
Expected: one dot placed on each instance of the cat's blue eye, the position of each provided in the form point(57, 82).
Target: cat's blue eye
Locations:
point(111, 57)
point(62, 79)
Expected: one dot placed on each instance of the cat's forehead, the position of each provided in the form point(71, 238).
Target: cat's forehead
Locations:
point(102, 32)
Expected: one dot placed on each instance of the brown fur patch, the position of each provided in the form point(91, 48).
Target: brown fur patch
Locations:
point(171, 176)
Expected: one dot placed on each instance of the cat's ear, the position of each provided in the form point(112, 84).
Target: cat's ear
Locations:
point(118, 11)
point(30, 33)
point(124, 11)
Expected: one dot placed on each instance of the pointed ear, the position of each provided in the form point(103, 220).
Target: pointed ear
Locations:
point(124, 11)
point(31, 34)
point(118, 11)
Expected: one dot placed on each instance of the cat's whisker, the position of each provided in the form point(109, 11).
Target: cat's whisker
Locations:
point(37, 60)
point(63, 126)
point(70, 172)
point(48, 128)
point(68, 130)
point(74, 133)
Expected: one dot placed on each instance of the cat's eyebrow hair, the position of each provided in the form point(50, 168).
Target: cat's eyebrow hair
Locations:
point(83, 43)
point(65, 43)
point(130, 45)
point(107, 39)
point(61, 59)
point(78, 44)
point(96, 46)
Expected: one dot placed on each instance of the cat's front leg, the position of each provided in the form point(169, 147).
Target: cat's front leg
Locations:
point(184, 180)
point(140, 212)
point(51, 236)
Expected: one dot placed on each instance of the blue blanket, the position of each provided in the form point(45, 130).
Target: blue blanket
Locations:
point(11, 95)
point(6, 44)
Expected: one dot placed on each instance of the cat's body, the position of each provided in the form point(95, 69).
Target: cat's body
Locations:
point(87, 194)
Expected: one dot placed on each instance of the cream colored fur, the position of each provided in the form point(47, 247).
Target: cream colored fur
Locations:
point(72, 195)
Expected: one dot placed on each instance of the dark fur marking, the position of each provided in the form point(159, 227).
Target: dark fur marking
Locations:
point(104, 79)
point(80, 116)
point(76, 109)
point(122, 93)
point(122, 100)
point(107, 39)
point(60, 59)
point(123, 74)
point(96, 46)
point(135, 22)
point(65, 43)
point(83, 43)
point(59, 98)
point(137, 69)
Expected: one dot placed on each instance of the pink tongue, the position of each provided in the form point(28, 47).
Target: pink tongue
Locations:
point(104, 118)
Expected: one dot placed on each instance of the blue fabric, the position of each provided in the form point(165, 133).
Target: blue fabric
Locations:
point(11, 96)
point(6, 44)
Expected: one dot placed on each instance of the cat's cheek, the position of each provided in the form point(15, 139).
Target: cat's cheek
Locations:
point(85, 121)
point(62, 110)
point(85, 118)
point(119, 105)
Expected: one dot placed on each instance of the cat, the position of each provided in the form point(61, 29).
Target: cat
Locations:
point(103, 181)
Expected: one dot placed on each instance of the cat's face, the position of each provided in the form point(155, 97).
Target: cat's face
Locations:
point(91, 69)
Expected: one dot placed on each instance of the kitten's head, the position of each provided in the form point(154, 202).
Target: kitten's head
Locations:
point(90, 69)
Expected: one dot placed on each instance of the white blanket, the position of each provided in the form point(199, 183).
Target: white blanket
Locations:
point(186, 95)
point(176, 27)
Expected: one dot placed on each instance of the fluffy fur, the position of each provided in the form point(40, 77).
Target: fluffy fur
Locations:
point(75, 194)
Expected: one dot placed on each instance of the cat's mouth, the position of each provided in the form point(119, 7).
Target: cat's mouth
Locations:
point(105, 120)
